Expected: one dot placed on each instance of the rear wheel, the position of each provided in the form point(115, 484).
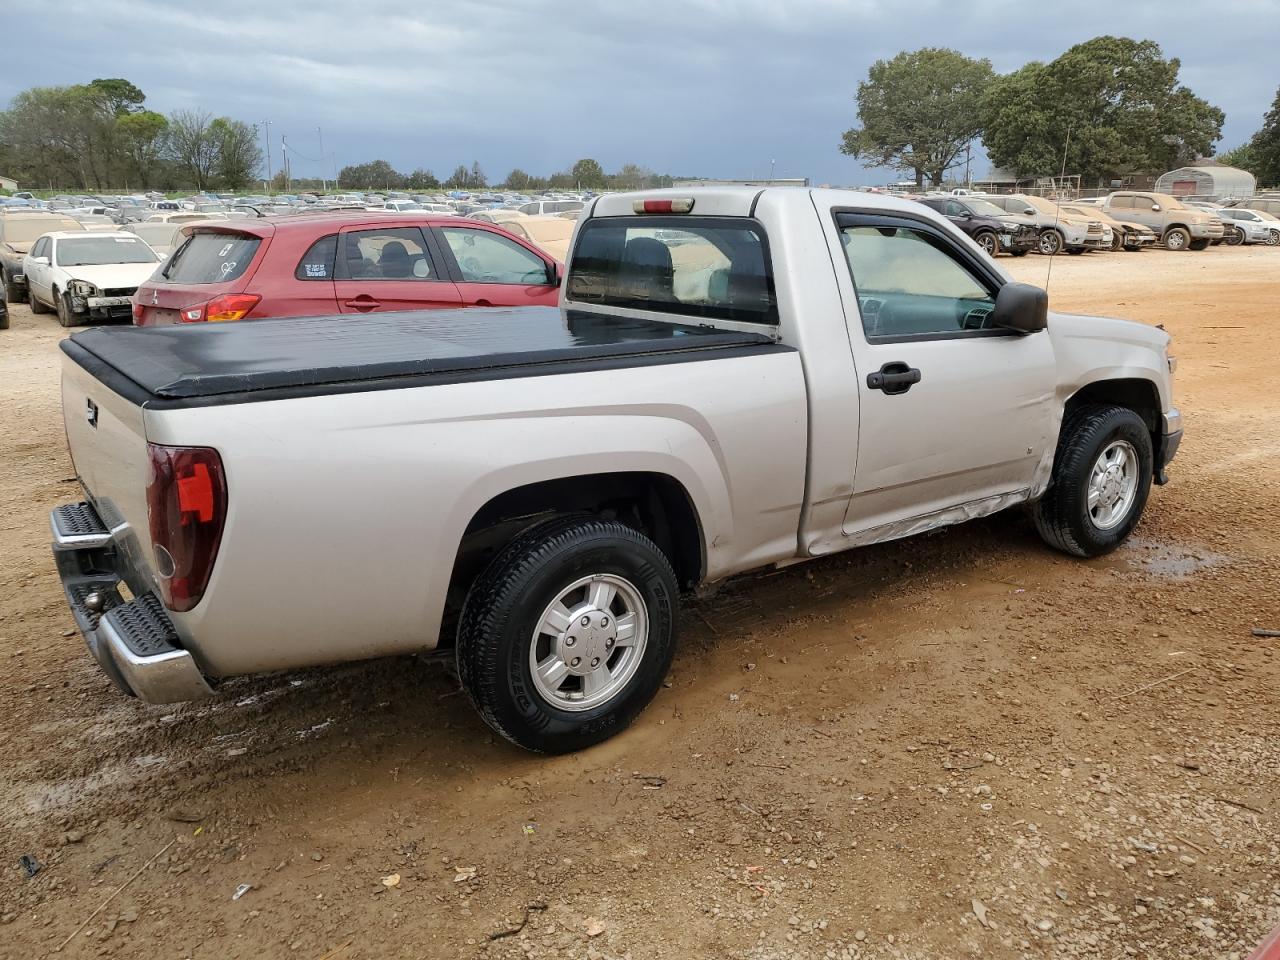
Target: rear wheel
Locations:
point(987, 241)
point(34, 302)
point(568, 633)
point(1050, 242)
point(1176, 238)
point(1101, 478)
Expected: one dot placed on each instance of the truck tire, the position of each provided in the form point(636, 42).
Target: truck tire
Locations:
point(1076, 251)
point(1202, 244)
point(988, 242)
point(1019, 253)
point(1050, 243)
point(1177, 238)
point(34, 302)
point(568, 633)
point(1101, 478)
point(66, 317)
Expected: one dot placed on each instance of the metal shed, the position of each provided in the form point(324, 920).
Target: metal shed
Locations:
point(1207, 180)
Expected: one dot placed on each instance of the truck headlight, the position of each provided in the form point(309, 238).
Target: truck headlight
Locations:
point(82, 288)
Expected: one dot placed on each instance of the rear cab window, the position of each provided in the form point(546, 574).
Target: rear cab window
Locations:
point(711, 267)
point(211, 258)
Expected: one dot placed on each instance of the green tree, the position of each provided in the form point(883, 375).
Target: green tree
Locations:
point(421, 179)
point(476, 178)
point(1111, 105)
point(143, 138)
point(633, 177)
point(1261, 155)
point(118, 96)
point(374, 175)
point(239, 158)
point(588, 173)
point(919, 111)
point(517, 179)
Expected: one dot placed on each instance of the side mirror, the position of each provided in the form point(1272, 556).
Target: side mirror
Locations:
point(1155, 207)
point(43, 261)
point(1029, 212)
point(1021, 307)
point(555, 274)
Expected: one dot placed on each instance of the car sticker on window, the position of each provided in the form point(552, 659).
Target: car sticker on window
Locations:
point(316, 270)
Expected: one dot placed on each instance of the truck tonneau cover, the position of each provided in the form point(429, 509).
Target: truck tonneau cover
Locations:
point(210, 360)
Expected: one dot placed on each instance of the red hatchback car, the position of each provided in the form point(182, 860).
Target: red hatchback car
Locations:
point(343, 263)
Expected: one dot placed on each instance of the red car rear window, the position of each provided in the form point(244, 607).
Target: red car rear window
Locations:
point(211, 258)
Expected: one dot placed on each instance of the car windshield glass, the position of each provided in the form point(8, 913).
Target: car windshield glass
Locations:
point(985, 208)
point(95, 251)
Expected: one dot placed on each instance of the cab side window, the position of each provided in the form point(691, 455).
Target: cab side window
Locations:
point(910, 285)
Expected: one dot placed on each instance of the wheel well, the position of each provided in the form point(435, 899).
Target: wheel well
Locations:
point(1140, 396)
point(656, 504)
point(1176, 226)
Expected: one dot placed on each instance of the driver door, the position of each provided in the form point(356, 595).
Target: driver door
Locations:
point(954, 412)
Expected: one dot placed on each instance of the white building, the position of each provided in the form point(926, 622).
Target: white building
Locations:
point(7, 184)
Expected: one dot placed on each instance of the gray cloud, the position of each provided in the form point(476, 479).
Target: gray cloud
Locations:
point(709, 87)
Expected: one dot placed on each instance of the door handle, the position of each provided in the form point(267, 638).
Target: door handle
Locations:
point(893, 378)
point(364, 302)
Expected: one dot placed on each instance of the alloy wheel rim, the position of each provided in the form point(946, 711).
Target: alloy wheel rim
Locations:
point(589, 642)
point(1113, 485)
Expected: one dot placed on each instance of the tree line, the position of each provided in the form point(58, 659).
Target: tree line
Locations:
point(100, 135)
point(1104, 108)
point(584, 174)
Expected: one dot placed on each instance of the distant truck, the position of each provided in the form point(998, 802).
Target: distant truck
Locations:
point(1178, 225)
point(735, 379)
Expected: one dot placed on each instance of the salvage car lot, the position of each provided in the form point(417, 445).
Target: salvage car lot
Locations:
point(964, 707)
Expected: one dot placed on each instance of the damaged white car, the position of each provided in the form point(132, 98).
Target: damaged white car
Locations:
point(87, 276)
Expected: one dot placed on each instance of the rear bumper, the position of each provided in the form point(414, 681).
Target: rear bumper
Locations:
point(134, 641)
point(1167, 445)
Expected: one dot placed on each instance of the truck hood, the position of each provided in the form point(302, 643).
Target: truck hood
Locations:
point(113, 275)
point(1079, 326)
point(18, 246)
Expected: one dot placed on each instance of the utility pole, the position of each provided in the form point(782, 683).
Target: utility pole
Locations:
point(320, 134)
point(772, 163)
point(968, 151)
point(284, 154)
point(266, 137)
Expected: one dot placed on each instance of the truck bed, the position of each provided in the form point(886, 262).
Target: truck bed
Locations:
point(216, 363)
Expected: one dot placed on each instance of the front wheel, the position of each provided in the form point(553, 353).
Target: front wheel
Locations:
point(568, 633)
point(1176, 238)
point(1101, 478)
point(1050, 242)
point(66, 317)
point(988, 242)
point(1233, 238)
point(1273, 238)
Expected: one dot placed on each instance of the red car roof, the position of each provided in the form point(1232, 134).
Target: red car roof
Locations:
point(317, 222)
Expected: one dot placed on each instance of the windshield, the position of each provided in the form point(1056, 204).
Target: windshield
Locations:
point(985, 208)
point(96, 251)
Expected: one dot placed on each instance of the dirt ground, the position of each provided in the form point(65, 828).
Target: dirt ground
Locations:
point(961, 745)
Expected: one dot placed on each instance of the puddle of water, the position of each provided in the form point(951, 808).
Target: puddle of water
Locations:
point(1164, 560)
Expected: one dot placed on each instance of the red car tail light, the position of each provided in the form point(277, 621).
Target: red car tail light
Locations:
point(229, 306)
point(187, 508)
point(137, 313)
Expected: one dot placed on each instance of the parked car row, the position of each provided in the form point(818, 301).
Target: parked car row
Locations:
point(1124, 220)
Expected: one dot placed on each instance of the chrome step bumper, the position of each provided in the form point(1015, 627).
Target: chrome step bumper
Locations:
point(134, 641)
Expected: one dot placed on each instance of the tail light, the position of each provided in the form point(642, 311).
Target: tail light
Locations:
point(230, 306)
point(137, 313)
point(682, 205)
point(187, 507)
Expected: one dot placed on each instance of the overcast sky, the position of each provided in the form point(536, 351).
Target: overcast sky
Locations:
point(715, 88)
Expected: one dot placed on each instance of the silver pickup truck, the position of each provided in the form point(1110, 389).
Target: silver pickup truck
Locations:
point(735, 379)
